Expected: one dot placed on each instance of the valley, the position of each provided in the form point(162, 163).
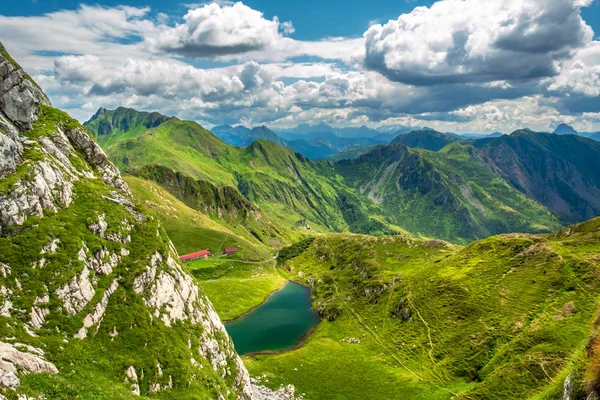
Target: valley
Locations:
point(423, 290)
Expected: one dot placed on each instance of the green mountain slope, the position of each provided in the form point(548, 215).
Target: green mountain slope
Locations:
point(122, 122)
point(224, 204)
point(457, 195)
point(560, 172)
point(449, 194)
point(94, 301)
point(506, 317)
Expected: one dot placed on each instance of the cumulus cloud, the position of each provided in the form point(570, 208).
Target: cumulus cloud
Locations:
point(493, 61)
point(217, 30)
point(477, 41)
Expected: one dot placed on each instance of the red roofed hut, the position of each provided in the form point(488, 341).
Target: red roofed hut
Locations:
point(194, 256)
point(230, 250)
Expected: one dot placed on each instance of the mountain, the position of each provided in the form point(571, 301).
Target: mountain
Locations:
point(558, 171)
point(263, 133)
point(313, 131)
point(235, 136)
point(564, 129)
point(468, 191)
point(507, 317)
point(349, 153)
point(224, 203)
point(315, 149)
point(595, 136)
point(95, 303)
point(450, 194)
point(108, 124)
point(425, 139)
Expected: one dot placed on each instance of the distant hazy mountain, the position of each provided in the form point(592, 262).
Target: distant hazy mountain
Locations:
point(232, 135)
point(476, 135)
point(595, 136)
point(564, 129)
point(425, 139)
point(263, 133)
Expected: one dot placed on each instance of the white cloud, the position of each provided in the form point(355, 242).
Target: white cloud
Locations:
point(217, 30)
point(117, 57)
point(477, 41)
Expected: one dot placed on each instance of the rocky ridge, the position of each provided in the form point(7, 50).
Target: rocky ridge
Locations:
point(96, 266)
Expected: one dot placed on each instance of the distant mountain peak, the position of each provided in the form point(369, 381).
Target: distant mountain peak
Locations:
point(564, 129)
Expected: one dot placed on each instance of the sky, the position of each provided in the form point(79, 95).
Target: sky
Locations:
point(466, 66)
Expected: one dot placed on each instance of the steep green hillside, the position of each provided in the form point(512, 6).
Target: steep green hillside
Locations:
point(109, 125)
point(94, 303)
point(224, 204)
point(457, 195)
point(506, 317)
point(427, 139)
point(450, 194)
point(234, 284)
point(559, 171)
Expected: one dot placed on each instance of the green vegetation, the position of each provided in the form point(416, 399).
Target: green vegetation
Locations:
point(234, 284)
point(505, 317)
point(455, 194)
point(94, 368)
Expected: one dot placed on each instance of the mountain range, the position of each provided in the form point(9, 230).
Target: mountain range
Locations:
point(442, 186)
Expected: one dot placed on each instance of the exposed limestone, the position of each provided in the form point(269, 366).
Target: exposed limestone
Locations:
point(154, 387)
point(51, 247)
point(77, 293)
point(96, 315)
point(11, 150)
point(4, 270)
point(46, 188)
point(5, 309)
point(96, 157)
point(9, 379)
point(133, 378)
point(13, 360)
point(567, 388)
point(19, 98)
point(38, 316)
point(264, 393)
point(100, 227)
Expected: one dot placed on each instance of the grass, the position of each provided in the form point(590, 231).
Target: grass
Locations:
point(505, 317)
point(94, 368)
point(234, 284)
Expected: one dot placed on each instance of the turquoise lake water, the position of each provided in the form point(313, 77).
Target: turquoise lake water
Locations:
point(280, 323)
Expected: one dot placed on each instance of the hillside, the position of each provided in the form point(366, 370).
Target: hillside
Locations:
point(110, 124)
point(95, 303)
point(448, 194)
point(558, 171)
point(224, 204)
point(390, 189)
point(425, 139)
point(510, 316)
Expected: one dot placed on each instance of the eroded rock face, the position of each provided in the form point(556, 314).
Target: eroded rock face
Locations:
point(19, 98)
point(96, 316)
point(23, 359)
point(46, 187)
point(77, 293)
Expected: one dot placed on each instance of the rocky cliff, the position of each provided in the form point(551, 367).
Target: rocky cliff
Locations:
point(93, 300)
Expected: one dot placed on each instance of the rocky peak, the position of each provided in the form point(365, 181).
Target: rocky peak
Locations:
point(20, 97)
